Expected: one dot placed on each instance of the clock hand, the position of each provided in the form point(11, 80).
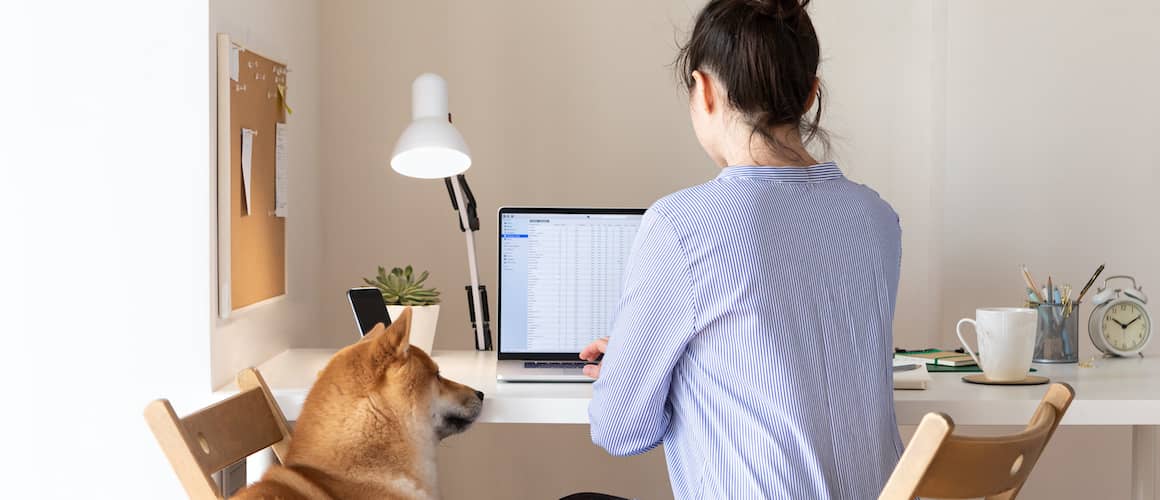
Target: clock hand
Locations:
point(1130, 322)
point(1118, 323)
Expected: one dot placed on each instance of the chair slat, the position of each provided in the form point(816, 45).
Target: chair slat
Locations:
point(231, 430)
point(970, 467)
point(219, 435)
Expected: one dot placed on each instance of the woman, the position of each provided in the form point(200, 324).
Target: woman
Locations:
point(753, 336)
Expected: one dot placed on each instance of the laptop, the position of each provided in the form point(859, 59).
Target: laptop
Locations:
point(560, 276)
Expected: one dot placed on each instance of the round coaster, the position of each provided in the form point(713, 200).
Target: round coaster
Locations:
point(979, 378)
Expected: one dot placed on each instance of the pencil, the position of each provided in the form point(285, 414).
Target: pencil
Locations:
point(1031, 284)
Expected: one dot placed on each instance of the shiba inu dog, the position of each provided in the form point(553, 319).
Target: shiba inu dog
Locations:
point(371, 423)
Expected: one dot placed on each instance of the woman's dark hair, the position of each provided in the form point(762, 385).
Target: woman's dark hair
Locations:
point(766, 54)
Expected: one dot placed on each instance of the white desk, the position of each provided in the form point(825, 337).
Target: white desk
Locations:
point(1115, 392)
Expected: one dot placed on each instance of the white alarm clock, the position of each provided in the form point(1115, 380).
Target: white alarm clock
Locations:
point(1120, 324)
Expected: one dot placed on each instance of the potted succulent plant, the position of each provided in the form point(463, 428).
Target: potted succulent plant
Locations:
point(402, 289)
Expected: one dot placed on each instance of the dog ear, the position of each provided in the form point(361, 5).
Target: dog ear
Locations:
point(393, 341)
point(376, 332)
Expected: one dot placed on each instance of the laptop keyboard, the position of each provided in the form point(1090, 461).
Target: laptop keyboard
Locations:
point(554, 364)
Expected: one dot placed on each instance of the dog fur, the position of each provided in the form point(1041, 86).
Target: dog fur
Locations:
point(371, 423)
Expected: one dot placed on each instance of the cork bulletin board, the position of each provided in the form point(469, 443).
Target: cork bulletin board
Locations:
point(251, 236)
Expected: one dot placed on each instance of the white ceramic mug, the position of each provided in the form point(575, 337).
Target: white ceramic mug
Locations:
point(1006, 338)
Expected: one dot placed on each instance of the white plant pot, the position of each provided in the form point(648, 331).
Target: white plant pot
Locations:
point(423, 320)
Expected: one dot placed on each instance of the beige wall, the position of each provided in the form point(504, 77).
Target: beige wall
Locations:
point(573, 103)
point(286, 31)
point(562, 104)
point(1052, 147)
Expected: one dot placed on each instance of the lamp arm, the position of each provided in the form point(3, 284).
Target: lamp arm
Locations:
point(468, 201)
point(482, 337)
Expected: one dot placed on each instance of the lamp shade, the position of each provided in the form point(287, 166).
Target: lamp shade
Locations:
point(430, 147)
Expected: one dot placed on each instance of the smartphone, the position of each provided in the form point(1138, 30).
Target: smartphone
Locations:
point(368, 307)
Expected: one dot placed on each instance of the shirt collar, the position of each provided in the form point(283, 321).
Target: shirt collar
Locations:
point(821, 172)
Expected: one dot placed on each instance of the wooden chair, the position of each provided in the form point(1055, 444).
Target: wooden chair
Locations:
point(939, 464)
point(219, 435)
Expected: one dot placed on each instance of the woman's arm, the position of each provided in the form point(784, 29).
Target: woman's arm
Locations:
point(654, 321)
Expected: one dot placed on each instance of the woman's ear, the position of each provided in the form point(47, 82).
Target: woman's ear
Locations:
point(703, 96)
point(813, 95)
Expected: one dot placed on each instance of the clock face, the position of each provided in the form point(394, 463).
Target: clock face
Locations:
point(1126, 326)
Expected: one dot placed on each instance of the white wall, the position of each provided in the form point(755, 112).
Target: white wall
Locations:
point(104, 249)
point(286, 31)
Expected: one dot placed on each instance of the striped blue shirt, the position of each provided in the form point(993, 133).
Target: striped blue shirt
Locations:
point(753, 338)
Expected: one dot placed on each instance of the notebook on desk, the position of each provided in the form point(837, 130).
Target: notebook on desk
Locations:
point(936, 357)
point(560, 273)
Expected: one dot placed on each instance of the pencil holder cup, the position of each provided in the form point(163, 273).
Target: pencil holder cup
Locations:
point(1057, 334)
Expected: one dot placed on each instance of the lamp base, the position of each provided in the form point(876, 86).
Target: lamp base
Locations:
point(487, 339)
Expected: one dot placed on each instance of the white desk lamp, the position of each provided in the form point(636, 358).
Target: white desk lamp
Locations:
point(431, 148)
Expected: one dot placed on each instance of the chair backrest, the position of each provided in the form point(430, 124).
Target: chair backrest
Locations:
point(939, 464)
point(219, 435)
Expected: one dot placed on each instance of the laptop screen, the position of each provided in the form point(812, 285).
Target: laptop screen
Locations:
point(560, 277)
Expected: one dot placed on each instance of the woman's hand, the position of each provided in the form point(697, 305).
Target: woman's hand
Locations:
point(592, 354)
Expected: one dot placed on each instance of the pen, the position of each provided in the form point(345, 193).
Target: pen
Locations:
point(1089, 283)
point(1066, 300)
point(1050, 291)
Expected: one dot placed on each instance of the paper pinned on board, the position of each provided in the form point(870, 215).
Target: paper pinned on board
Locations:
point(235, 58)
point(282, 97)
point(247, 162)
point(280, 166)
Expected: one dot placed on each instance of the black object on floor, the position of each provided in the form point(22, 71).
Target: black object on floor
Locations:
point(592, 496)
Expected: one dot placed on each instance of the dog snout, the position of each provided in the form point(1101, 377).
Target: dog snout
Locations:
point(479, 394)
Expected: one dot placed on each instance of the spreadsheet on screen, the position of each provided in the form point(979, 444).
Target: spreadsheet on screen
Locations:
point(561, 276)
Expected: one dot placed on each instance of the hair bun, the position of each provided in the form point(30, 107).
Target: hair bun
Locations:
point(781, 9)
